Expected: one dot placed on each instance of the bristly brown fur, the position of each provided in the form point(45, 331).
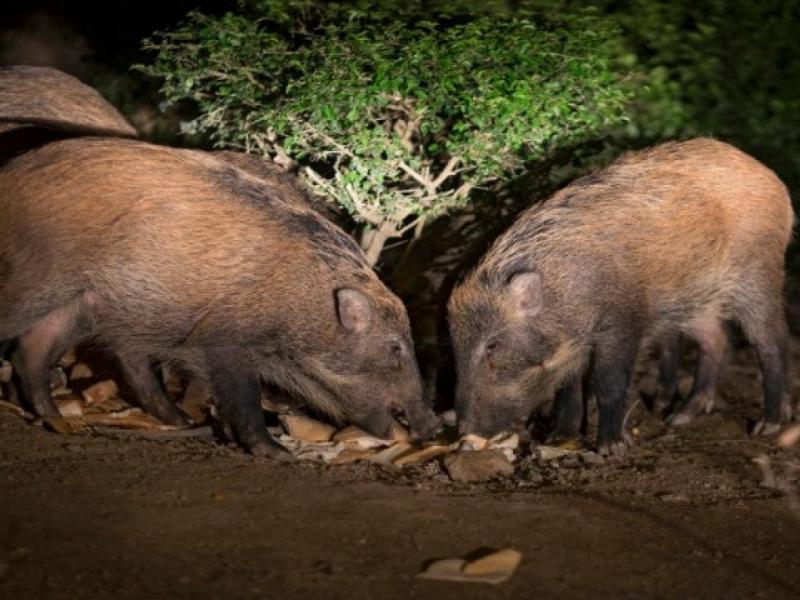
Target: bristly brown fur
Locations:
point(677, 237)
point(180, 250)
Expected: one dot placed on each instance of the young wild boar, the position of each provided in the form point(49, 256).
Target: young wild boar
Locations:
point(678, 238)
point(174, 255)
point(45, 97)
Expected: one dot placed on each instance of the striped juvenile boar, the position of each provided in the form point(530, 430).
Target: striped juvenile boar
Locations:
point(678, 238)
point(174, 255)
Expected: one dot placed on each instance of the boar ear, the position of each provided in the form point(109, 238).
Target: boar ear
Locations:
point(526, 294)
point(353, 309)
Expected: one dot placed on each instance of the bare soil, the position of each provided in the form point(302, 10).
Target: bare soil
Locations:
point(687, 514)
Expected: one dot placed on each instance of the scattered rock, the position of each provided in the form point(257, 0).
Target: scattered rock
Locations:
point(592, 459)
point(479, 465)
point(306, 429)
point(548, 453)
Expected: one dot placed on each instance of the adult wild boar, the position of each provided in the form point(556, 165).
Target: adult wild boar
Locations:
point(48, 97)
point(678, 238)
point(174, 255)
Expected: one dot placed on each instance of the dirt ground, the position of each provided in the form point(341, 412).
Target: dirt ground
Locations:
point(687, 514)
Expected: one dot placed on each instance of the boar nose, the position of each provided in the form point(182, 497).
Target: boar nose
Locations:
point(427, 428)
point(378, 423)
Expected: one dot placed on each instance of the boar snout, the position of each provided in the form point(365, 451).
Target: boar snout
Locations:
point(423, 423)
point(378, 423)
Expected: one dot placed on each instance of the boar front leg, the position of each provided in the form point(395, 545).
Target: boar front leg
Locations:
point(614, 361)
point(569, 409)
point(237, 392)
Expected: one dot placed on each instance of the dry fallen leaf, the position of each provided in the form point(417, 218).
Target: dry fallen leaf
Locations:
point(80, 371)
point(101, 391)
point(69, 406)
point(351, 455)
point(493, 568)
point(15, 409)
point(68, 359)
point(306, 429)
point(6, 371)
point(196, 401)
point(421, 456)
point(388, 455)
point(356, 436)
point(790, 437)
point(398, 433)
point(473, 442)
point(550, 452)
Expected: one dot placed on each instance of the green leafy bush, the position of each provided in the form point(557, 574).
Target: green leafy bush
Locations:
point(396, 112)
point(728, 69)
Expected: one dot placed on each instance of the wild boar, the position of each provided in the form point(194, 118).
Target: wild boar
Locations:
point(40, 105)
point(678, 238)
point(285, 183)
point(50, 98)
point(176, 256)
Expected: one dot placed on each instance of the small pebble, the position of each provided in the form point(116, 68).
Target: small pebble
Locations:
point(478, 465)
point(547, 453)
point(592, 459)
point(570, 462)
point(675, 498)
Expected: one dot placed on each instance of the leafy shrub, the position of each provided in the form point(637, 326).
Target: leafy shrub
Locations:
point(396, 111)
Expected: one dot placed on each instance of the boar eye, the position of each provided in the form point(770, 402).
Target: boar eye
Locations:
point(396, 348)
point(492, 347)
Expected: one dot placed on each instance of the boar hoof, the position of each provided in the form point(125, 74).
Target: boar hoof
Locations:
point(679, 419)
point(766, 428)
point(615, 448)
point(696, 405)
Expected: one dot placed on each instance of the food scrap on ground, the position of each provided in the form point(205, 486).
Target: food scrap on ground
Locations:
point(492, 568)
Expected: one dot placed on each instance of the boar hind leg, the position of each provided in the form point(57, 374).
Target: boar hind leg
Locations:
point(771, 345)
point(42, 344)
point(712, 341)
point(569, 410)
point(238, 399)
point(149, 392)
point(667, 374)
point(613, 365)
